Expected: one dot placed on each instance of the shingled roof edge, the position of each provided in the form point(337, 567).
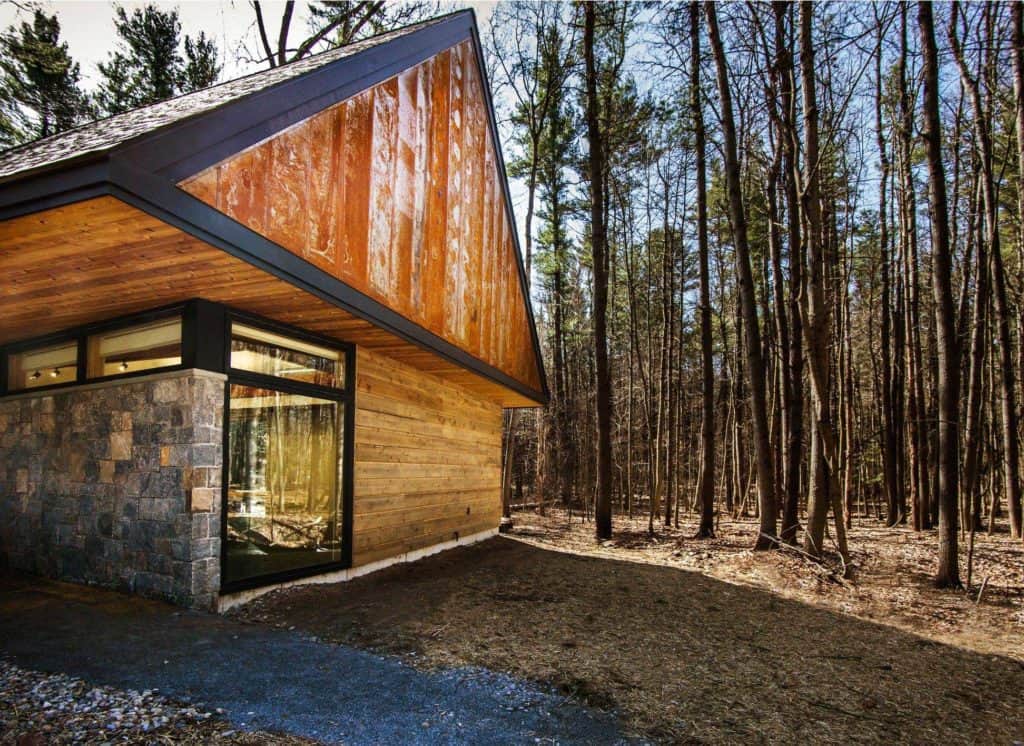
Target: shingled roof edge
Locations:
point(139, 124)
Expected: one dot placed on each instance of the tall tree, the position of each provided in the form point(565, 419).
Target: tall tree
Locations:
point(152, 62)
point(201, 66)
point(706, 486)
point(890, 419)
point(788, 141)
point(748, 303)
point(556, 154)
point(1017, 59)
point(531, 58)
point(982, 125)
point(945, 324)
point(333, 23)
point(599, 252)
point(40, 92)
point(817, 319)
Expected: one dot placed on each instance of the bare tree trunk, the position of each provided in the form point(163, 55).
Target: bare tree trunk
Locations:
point(794, 354)
point(817, 320)
point(973, 444)
point(1018, 90)
point(706, 488)
point(888, 440)
point(948, 574)
point(759, 411)
point(1010, 437)
point(598, 239)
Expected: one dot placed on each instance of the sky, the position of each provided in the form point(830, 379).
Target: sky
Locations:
point(88, 26)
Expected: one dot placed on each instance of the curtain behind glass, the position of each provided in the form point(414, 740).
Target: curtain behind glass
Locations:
point(283, 506)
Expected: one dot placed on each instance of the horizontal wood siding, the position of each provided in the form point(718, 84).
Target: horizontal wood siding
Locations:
point(397, 192)
point(427, 460)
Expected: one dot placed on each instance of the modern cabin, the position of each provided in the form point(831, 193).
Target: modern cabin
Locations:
point(266, 331)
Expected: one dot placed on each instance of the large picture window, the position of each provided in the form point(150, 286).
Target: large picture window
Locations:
point(288, 418)
point(285, 467)
point(283, 509)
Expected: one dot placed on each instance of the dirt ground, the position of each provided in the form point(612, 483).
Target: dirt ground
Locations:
point(706, 642)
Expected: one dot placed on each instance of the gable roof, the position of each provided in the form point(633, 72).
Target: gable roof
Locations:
point(115, 130)
point(140, 157)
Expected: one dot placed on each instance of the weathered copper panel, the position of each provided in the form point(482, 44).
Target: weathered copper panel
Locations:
point(396, 191)
point(455, 272)
point(286, 212)
point(358, 134)
point(322, 195)
point(488, 255)
point(382, 185)
point(476, 130)
point(430, 307)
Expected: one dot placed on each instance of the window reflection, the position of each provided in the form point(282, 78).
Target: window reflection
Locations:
point(283, 508)
point(260, 351)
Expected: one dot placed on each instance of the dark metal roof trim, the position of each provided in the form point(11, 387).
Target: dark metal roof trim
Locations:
point(83, 179)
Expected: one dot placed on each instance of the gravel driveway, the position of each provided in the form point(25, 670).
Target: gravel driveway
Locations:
point(277, 679)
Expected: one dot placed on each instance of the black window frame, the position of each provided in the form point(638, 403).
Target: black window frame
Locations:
point(344, 395)
point(81, 334)
point(206, 345)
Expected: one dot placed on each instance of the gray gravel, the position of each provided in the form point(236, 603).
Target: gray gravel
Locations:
point(267, 679)
point(65, 708)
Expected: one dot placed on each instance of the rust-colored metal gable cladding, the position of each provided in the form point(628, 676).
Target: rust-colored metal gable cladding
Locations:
point(422, 244)
point(396, 191)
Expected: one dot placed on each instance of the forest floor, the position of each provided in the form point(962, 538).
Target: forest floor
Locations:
point(705, 641)
point(890, 582)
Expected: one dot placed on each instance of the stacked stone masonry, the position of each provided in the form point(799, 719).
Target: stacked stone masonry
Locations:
point(117, 484)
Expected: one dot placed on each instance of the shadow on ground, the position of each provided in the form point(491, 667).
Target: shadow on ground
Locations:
point(277, 680)
point(683, 657)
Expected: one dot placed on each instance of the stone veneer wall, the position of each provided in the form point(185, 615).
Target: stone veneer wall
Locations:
point(117, 484)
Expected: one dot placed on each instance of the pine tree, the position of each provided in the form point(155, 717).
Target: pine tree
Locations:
point(149, 64)
point(201, 68)
point(39, 92)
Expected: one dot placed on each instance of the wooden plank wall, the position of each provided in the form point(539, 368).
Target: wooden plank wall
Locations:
point(397, 192)
point(427, 460)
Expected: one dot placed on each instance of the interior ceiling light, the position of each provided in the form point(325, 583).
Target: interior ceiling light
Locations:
point(124, 365)
point(36, 376)
point(55, 373)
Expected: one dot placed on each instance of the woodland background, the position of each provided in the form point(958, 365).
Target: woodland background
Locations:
point(777, 249)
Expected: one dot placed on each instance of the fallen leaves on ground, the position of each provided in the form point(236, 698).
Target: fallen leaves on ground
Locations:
point(704, 640)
